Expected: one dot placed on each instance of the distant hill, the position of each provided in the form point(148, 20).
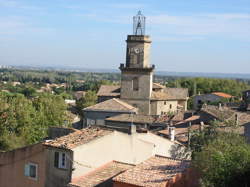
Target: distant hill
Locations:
point(159, 73)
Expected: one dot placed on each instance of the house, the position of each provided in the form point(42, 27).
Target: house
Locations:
point(245, 100)
point(67, 159)
point(79, 94)
point(35, 165)
point(96, 114)
point(107, 92)
point(100, 146)
point(158, 171)
point(210, 98)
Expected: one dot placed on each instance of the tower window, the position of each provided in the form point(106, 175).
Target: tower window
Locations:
point(135, 84)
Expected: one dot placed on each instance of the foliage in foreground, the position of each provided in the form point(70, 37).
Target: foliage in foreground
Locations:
point(25, 121)
point(223, 159)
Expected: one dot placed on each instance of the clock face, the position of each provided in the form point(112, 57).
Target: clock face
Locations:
point(137, 50)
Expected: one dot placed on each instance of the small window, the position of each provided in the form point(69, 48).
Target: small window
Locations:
point(135, 84)
point(170, 106)
point(30, 170)
point(165, 102)
point(60, 160)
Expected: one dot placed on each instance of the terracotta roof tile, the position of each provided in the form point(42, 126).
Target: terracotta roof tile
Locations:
point(138, 118)
point(79, 137)
point(111, 105)
point(100, 175)
point(170, 94)
point(156, 171)
point(109, 90)
point(221, 94)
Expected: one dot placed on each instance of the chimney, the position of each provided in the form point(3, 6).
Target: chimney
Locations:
point(172, 133)
point(220, 107)
point(132, 129)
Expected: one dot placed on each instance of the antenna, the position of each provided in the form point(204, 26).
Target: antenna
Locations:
point(139, 24)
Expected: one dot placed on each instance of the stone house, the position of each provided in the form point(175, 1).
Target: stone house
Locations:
point(210, 98)
point(245, 100)
point(96, 114)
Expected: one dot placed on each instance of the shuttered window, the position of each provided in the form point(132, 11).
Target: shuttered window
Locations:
point(56, 160)
point(60, 160)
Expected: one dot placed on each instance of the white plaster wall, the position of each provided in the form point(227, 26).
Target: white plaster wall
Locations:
point(115, 146)
point(162, 147)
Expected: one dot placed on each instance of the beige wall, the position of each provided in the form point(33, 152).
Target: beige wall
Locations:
point(145, 85)
point(12, 165)
point(118, 146)
point(157, 107)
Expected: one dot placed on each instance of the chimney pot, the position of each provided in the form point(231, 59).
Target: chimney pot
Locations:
point(172, 133)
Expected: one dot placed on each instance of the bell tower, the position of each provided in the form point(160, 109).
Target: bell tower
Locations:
point(137, 73)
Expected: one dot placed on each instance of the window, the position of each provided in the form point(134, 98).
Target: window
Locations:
point(60, 160)
point(170, 106)
point(30, 170)
point(135, 84)
point(165, 102)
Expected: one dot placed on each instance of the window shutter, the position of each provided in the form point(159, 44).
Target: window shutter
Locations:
point(56, 161)
point(27, 170)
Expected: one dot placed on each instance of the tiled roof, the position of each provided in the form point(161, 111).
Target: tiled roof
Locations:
point(111, 105)
point(100, 175)
point(222, 113)
point(177, 93)
point(109, 90)
point(170, 94)
point(79, 137)
point(160, 96)
point(138, 118)
point(156, 171)
point(221, 94)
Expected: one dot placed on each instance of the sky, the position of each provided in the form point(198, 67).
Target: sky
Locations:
point(187, 35)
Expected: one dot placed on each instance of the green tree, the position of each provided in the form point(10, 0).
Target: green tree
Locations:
point(89, 99)
point(224, 161)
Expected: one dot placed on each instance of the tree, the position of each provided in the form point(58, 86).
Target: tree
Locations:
point(224, 161)
point(89, 99)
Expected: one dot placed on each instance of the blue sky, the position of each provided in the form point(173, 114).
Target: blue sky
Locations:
point(188, 35)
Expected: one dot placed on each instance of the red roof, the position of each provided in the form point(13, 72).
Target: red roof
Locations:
point(221, 94)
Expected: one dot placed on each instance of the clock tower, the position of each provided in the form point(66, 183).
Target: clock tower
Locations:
point(137, 73)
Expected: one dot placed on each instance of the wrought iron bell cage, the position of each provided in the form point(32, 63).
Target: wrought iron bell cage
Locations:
point(139, 24)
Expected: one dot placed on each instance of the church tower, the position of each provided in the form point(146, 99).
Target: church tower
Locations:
point(137, 73)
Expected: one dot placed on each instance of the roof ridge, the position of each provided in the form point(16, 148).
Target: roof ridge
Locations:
point(128, 106)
